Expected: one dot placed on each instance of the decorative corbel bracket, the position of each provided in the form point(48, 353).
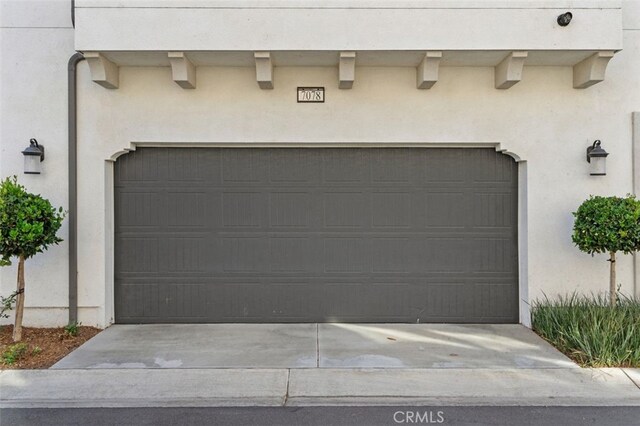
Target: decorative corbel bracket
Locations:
point(591, 70)
point(347, 70)
point(103, 71)
point(427, 73)
point(264, 70)
point(509, 71)
point(182, 70)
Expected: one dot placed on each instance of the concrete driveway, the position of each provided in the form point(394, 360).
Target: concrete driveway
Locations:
point(334, 346)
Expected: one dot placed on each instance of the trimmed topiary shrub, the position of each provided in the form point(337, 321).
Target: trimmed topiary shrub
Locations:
point(28, 226)
point(608, 225)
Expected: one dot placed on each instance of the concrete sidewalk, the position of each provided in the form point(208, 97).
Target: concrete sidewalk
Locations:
point(294, 387)
point(317, 364)
point(331, 345)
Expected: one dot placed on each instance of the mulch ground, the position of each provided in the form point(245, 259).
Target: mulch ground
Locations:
point(45, 346)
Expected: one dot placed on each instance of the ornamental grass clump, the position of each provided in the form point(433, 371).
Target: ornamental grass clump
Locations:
point(589, 330)
point(608, 225)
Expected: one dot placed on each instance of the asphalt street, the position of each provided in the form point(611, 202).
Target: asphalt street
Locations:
point(324, 416)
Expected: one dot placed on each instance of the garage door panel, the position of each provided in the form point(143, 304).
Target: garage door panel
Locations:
point(390, 254)
point(293, 166)
point(305, 235)
point(240, 166)
point(138, 301)
point(139, 209)
point(345, 209)
point(442, 255)
point(242, 209)
point(137, 255)
point(446, 209)
point(494, 210)
point(186, 209)
point(186, 300)
point(289, 209)
point(391, 167)
point(291, 254)
point(352, 301)
point(493, 255)
point(443, 166)
point(391, 300)
point(190, 166)
point(347, 166)
point(245, 254)
point(488, 167)
point(291, 301)
point(345, 255)
point(435, 299)
point(491, 301)
point(242, 301)
point(341, 300)
point(139, 166)
point(185, 254)
point(391, 210)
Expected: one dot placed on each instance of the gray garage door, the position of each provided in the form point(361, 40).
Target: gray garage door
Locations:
point(315, 235)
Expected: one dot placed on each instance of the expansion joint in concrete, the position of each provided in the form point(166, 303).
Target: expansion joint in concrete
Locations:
point(286, 394)
point(623, 370)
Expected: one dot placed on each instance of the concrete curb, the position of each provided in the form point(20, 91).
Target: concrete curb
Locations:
point(142, 388)
point(298, 387)
point(595, 387)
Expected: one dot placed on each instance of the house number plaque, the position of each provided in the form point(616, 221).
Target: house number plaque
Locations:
point(310, 94)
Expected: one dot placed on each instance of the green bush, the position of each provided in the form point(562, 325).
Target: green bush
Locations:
point(14, 353)
point(28, 226)
point(589, 330)
point(28, 222)
point(72, 329)
point(6, 304)
point(608, 225)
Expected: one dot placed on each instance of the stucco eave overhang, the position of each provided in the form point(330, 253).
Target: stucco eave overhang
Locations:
point(355, 4)
point(402, 26)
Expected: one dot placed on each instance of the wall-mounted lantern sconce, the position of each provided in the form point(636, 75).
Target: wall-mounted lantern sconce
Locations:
point(33, 156)
point(597, 157)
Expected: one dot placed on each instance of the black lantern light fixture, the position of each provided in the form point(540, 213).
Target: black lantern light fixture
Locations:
point(33, 156)
point(597, 158)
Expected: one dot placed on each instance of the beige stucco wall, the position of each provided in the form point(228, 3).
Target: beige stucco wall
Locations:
point(542, 120)
point(36, 40)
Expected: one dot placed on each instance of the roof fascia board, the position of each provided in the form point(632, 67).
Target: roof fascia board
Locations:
point(353, 4)
point(167, 29)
